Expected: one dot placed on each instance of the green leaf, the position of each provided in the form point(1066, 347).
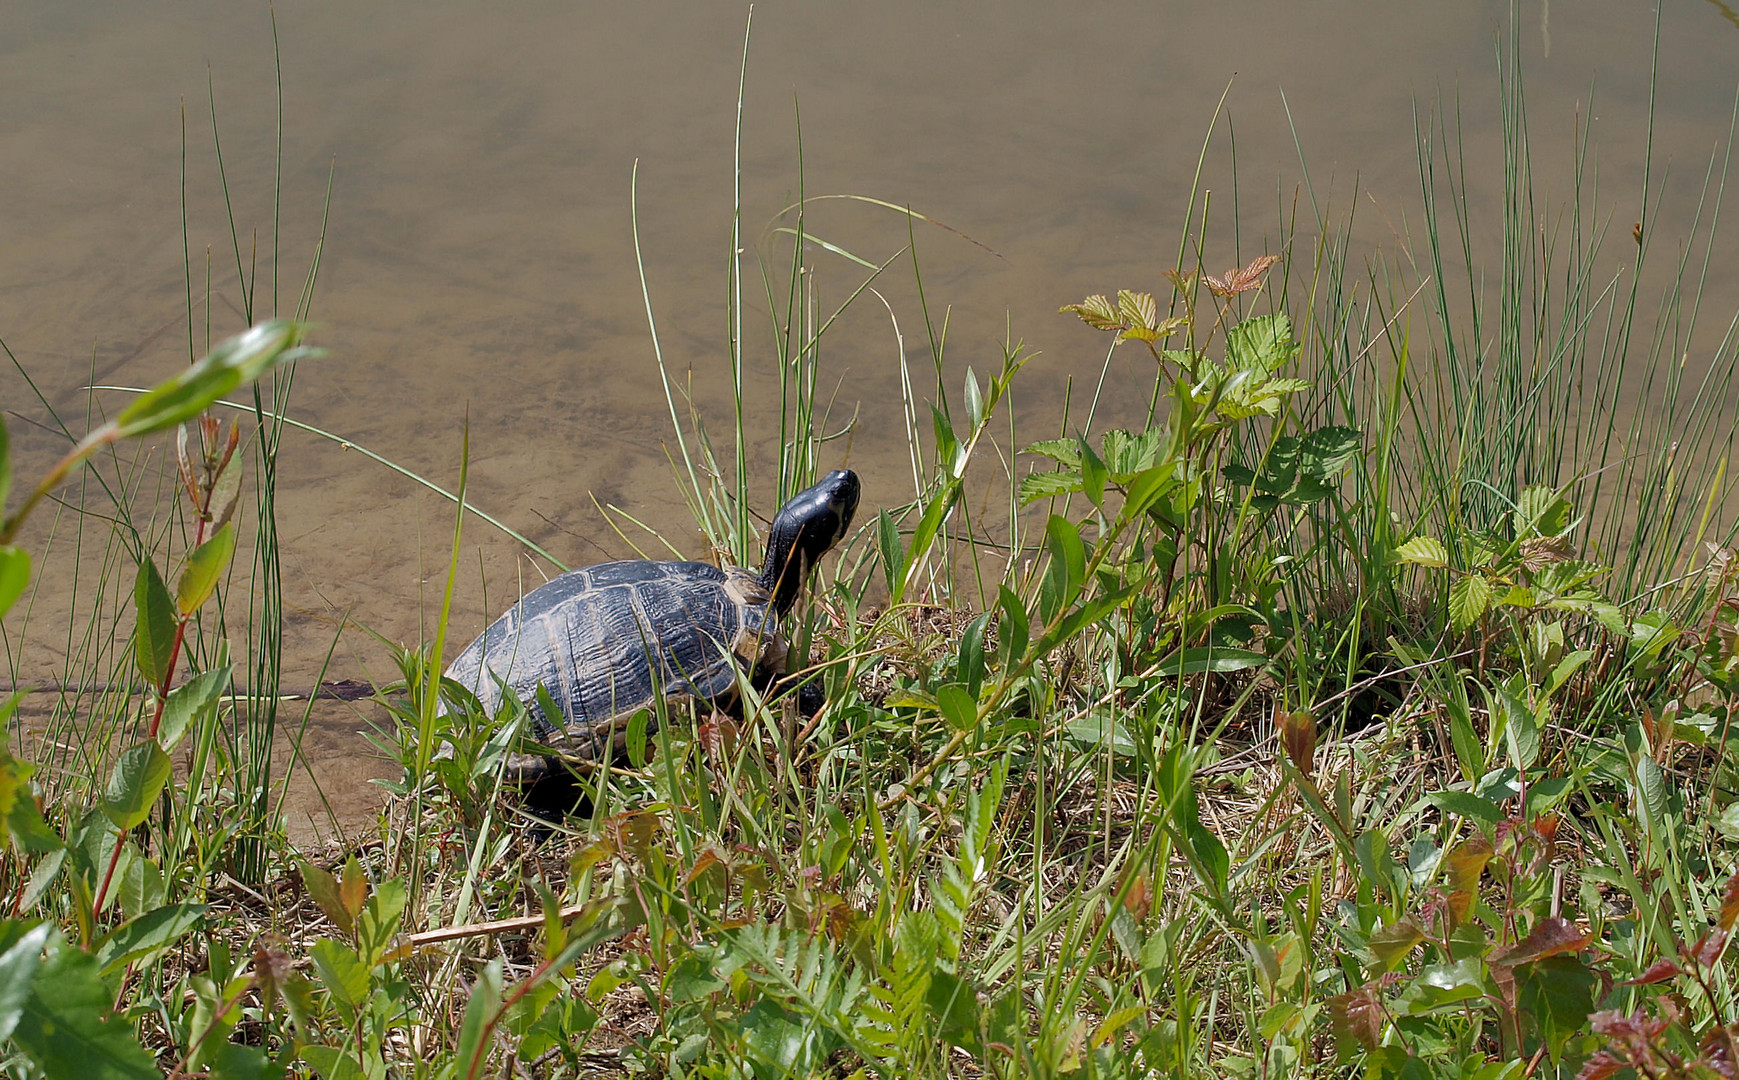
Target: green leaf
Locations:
point(1093, 473)
point(1541, 511)
point(1068, 565)
point(1138, 309)
point(1096, 311)
point(1063, 451)
point(234, 361)
point(1390, 945)
point(204, 567)
point(1327, 451)
point(65, 1029)
point(14, 575)
point(1467, 804)
point(323, 887)
point(333, 1063)
point(957, 706)
point(970, 665)
point(1203, 658)
point(1011, 626)
point(893, 554)
point(192, 701)
point(1263, 343)
point(974, 400)
point(18, 966)
point(1046, 485)
point(154, 625)
point(341, 972)
point(1422, 551)
point(479, 1011)
point(1148, 486)
point(137, 780)
point(1469, 599)
point(147, 934)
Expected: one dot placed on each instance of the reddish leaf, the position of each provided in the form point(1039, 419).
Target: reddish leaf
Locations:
point(1357, 1016)
point(1730, 902)
point(1298, 736)
point(1708, 949)
point(1552, 936)
point(1621, 1026)
point(1599, 1067)
point(1720, 1051)
point(1660, 971)
point(1466, 862)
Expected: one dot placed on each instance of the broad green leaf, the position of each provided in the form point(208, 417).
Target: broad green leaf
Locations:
point(154, 625)
point(1467, 804)
point(332, 1063)
point(234, 361)
point(974, 400)
point(203, 570)
point(192, 701)
point(65, 1029)
point(1389, 945)
point(1062, 451)
point(957, 706)
point(1096, 311)
point(1195, 661)
point(1147, 486)
point(1263, 343)
point(1423, 551)
point(18, 965)
point(935, 512)
point(137, 780)
point(378, 922)
point(480, 1010)
point(145, 935)
point(1093, 474)
point(14, 575)
point(1556, 995)
point(1541, 511)
point(1327, 451)
point(1469, 599)
point(971, 663)
point(1138, 309)
point(341, 972)
point(1046, 485)
point(1521, 729)
point(323, 887)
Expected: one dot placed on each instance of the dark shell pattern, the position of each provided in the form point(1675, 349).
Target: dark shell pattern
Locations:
point(590, 638)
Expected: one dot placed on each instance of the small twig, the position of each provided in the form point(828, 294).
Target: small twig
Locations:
point(499, 926)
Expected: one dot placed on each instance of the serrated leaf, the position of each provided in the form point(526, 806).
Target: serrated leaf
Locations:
point(1541, 511)
point(1062, 451)
point(203, 570)
point(1469, 599)
point(14, 575)
point(138, 778)
point(1262, 343)
point(1327, 451)
point(1422, 551)
point(1096, 311)
point(154, 625)
point(1138, 309)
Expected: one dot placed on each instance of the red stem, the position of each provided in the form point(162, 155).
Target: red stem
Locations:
point(156, 719)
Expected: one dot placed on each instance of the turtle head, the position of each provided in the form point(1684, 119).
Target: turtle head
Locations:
point(812, 522)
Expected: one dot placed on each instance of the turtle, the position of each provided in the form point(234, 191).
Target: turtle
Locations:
point(606, 641)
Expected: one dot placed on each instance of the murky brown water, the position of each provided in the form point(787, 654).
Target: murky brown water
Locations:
point(479, 258)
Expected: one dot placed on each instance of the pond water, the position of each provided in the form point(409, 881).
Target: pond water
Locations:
point(479, 260)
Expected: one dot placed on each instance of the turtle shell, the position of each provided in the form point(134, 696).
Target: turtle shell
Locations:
point(609, 640)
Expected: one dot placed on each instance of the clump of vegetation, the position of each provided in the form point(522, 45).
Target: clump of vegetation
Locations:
point(1338, 720)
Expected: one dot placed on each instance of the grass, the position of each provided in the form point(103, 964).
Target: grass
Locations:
point(1365, 712)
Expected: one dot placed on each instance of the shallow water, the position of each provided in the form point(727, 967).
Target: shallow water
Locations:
point(479, 259)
